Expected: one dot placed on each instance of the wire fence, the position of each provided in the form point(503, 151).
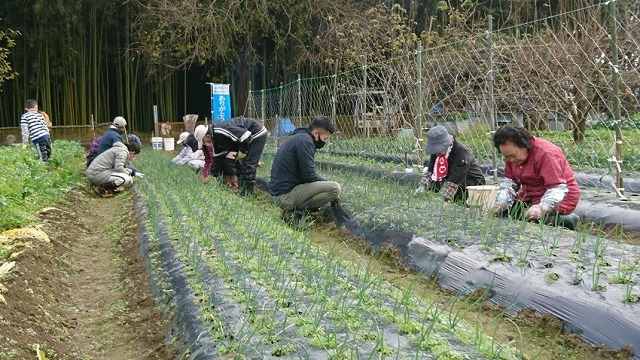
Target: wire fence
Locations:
point(573, 78)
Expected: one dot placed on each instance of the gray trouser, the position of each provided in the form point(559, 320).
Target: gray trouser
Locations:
point(320, 192)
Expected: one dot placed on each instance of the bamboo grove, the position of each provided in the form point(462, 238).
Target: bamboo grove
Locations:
point(97, 59)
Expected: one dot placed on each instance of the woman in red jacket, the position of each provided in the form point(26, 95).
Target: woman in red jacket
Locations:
point(539, 183)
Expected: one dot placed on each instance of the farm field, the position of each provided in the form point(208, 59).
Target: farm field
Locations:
point(232, 280)
point(267, 290)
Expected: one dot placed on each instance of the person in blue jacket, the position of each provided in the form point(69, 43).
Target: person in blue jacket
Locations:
point(113, 135)
point(295, 186)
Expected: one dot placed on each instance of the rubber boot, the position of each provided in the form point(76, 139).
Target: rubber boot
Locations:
point(305, 208)
point(568, 221)
point(232, 183)
point(245, 188)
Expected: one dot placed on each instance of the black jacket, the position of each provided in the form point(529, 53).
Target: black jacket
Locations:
point(294, 163)
point(235, 134)
point(463, 169)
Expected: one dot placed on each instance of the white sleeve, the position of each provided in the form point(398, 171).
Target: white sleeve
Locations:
point(25, 133)
point(506, 193)
point(553, 196)
point(183, 153)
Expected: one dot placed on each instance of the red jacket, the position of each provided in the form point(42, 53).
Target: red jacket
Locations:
point(545, 167)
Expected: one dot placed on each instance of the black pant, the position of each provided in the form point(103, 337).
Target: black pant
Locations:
point(247, 170)
point(44, 149)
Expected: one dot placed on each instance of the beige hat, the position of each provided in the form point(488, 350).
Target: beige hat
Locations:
point(199, 133)
point(120, 122)
point(183, 137)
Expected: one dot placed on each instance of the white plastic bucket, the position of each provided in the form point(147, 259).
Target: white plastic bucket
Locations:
point(482, 196)
point(156, 143)
point(168, 144)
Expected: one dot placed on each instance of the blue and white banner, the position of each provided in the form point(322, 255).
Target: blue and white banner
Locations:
point(220, 102)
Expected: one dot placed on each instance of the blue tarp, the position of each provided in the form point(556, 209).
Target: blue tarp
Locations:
point(284, 127)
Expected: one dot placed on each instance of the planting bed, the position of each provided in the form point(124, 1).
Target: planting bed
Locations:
point(237, 280)
point(588, 282)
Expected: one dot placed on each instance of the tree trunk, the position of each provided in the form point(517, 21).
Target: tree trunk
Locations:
point(241, 91)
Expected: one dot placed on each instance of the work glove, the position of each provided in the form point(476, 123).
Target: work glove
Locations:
point(534, 212)
point(240, 156)
point(139, 174)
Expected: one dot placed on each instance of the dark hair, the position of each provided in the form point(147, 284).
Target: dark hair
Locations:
point(518, 135)
point(322, 122)
point(133, 146)
point(30, 104)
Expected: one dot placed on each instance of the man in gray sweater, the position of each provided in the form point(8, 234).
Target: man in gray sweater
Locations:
point(109, 172)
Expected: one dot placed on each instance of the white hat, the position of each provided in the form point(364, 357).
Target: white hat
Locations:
point(183, 137)
point(120, 122)
point(201, 131)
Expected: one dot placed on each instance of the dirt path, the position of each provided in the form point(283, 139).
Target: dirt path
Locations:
point(84, 295)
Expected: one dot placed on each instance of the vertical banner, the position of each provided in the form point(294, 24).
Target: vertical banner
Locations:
point(220, 102)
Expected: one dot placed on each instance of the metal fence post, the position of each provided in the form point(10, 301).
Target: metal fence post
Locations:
point(615, 84)
point(300, 99)
point(491, 106)
point(419, 102)
point(264, 105)
point(334, 98)
point(250, 102)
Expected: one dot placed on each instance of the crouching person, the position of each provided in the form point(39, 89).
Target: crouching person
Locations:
point(539, 184)
point(295, 186)
point(109, 172)
point(189, 154)
point(452, 167)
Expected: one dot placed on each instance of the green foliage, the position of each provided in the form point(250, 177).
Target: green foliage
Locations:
point(28, 184)
point(632, 123)
point(7, 41)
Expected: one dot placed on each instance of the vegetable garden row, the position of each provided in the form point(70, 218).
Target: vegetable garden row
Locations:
point(260, 289)
point(254, 287)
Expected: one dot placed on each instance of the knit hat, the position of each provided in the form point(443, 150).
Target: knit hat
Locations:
point(120, 122)
point(183, 137)
point(438, 140)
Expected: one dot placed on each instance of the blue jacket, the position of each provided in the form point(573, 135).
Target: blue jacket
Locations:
point(110, 137)
point(294, 163)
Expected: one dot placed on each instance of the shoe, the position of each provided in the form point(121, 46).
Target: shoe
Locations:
point(246, 188)
point(299, 220)
point(569, 221)
point(100, 191)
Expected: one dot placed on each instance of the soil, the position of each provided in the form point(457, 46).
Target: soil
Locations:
point(85, 293)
